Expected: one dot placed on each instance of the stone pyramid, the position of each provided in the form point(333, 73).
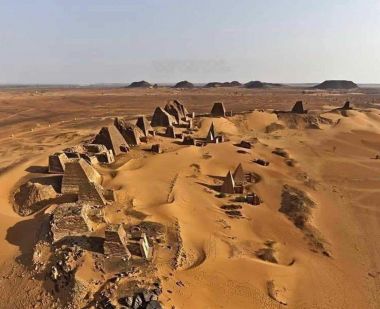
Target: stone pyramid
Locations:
point(218, 110)
point(131, 132)
point(346, 105)
point(177, 110)
point(239, 176)
point(211, 135)
point(77, 173)
point(298, 108)
point(111, 138)
point(170, 132)
point(162, 118)
point(144, 125)
point(228, 185)
point(57, 163)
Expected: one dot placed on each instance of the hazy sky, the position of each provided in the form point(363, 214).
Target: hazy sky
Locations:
point(89, 41)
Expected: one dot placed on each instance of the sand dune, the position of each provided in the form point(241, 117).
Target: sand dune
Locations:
point(219, 266)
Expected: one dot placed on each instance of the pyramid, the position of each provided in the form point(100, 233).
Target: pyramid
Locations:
point(131, 132)
point(170, 132)
point(78, 172)
point(211, 135)
point(177, 110)
point(218, 110)
point(144, 125)
point(57, 163)
point(228, 185)
point(347, 105)
point(162, 118)
point(111, 138)
point(239, 176)
point(298, 108)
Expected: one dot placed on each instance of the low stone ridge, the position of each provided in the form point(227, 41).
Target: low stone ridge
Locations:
point(223, 84)
point(112, 139)
point(259, 84)
point(131, 133)
point(336, 84)
point(184, 84)
point(140, 84)
point(296, 205)
point(32, 197)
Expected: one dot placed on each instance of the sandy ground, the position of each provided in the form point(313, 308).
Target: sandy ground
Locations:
point(221, 269)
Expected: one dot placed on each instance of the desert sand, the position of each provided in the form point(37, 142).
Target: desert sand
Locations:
point(334, 166)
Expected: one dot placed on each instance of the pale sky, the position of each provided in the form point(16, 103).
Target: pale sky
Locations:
point(93, 41)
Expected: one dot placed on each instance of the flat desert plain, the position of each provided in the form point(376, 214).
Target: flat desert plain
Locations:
point(262, 258)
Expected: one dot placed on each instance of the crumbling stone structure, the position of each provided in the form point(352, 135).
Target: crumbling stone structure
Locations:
point(131, 132)
point(115, 242)
point(71, 219)
point(145, 248)
point(31, 197)
point(101, 153)
point(156, 148)
point(177, 110)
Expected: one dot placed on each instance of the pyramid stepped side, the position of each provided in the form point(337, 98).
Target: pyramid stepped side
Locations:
point(144, 125)
point(92, 194)
point(57, 163)
point(239, 175)
point(228, 185)
point(78, 172)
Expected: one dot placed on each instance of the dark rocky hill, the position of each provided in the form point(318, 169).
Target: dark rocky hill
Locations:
point(336, 84)
point(184, 84)
point(140, 84)
point(259, 84)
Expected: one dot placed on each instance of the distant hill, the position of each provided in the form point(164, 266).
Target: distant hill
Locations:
point(336, 84)
point(184, 84)
point(224, 84)
point(140, 84)
point(259, 84)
